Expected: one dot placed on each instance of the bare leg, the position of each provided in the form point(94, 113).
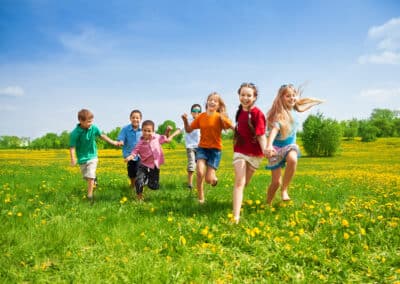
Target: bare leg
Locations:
point(291, 161)
point(275, 184)
point(211, 177)
point(90, 188)
point(201, 170)
point(190, 179)
point(243, 174)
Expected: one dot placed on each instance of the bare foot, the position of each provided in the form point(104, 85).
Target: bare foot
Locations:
point(285, 196)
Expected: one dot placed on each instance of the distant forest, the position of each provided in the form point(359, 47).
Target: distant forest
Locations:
point(381, 123)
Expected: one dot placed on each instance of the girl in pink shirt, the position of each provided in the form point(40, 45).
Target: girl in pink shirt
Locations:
point(151, 157)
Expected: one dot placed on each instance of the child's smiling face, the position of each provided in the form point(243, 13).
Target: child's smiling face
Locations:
point(147, 132)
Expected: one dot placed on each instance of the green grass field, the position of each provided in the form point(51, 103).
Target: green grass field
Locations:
point(342, 225)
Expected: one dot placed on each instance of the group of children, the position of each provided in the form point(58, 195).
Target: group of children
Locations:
point(143, 152)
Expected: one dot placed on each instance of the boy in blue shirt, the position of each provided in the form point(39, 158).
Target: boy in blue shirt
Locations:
point(130, 136)
point(83, 146)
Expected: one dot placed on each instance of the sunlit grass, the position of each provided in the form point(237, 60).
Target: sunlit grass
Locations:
point(342, 225)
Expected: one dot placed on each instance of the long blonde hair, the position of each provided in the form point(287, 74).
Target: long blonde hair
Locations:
point(221, 106)
point(279, 112)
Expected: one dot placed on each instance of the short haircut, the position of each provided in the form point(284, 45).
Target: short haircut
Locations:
point(136, 111)
point(85, 114)
point(147, 123)
point(195, 106)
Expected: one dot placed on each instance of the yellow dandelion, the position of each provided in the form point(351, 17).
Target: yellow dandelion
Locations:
point(182, 240)
point(346, 236)
point(170, 219)
point(345, 223)
point(123, 200)
point(204, 232)
point(9, 213)
point(19, 214)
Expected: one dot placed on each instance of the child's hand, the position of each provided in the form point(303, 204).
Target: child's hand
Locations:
point(129, 158)
point(270, 152)
point(184, 116)
point(73, 162)
point(169, 127)
point(119, 143)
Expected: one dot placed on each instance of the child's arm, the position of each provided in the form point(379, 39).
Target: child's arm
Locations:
point(188, 129)
point(110, 141)
point(176, 132)
point(72, 155)
point(130, 157)
point(262, 141)
point(270, 151)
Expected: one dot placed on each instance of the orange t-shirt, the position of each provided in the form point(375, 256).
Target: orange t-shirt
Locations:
point(211, 126)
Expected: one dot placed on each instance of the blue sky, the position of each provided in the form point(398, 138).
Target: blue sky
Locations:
point(57, 57)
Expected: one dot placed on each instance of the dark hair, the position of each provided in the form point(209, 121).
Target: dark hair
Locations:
point(195, 106)
point(237, 137)
point(136, 111)
point(147, 123)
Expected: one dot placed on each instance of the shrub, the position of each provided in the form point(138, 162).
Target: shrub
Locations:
point(321, 137)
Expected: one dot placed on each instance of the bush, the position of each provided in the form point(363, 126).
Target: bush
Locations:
point(321, 137)
point(368, 131)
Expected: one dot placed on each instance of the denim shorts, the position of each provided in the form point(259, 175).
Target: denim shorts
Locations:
point(211, 155)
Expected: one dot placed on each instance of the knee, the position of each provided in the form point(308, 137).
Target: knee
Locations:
point(276, 183)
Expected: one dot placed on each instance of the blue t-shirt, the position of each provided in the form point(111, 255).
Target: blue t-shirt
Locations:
point(130, 137)
point(291, 138)
point(84, 142)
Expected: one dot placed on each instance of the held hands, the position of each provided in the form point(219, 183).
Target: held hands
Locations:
point(270, 152)
point(118, 143)
point(129, 158)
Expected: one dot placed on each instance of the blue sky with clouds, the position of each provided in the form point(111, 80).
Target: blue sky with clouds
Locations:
point(57, 57)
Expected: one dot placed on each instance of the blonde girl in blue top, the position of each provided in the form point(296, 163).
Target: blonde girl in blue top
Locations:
point(282, 150)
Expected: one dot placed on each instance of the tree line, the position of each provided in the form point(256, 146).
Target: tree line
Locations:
point(320, 136)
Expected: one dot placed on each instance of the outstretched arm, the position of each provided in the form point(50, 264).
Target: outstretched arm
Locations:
point(110, 141)
point(188, 129)
point(176, 132)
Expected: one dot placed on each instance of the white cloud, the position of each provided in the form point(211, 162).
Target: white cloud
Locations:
point(386, 57)
point(89, 41)
point(12, 91)
point(387, 46)
point(381, 95)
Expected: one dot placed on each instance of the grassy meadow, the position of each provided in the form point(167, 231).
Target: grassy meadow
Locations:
point(342, 225)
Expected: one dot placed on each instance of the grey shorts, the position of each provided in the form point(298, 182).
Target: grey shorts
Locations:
point(88, 169)
point(191, 159)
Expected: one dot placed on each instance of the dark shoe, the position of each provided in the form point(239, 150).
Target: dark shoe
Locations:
point(95, 182)
point(190, 187)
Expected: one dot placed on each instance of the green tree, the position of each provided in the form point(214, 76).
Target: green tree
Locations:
point(321, 137)
point(383, 120)
point(10, 142)
point(350, 128)
point(367, 131)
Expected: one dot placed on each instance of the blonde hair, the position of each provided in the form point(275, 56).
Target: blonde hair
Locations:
point(221, 106)
point(279, 112)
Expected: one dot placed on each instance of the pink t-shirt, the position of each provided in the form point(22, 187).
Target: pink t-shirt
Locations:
point(248, 144)
point(150, 152)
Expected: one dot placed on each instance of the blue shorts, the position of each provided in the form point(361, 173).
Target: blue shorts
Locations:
point(211, 155)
